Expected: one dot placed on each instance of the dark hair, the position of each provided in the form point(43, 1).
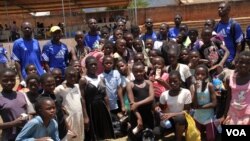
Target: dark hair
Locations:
point(72, 62)
point(138, 64)
point(134, 28)
point(32, 76)
point(56, 69)
point(161, 58)
point(177, 73)
point(40, 102)
point(194, 51)
point(121, 60)
point(157, 52)
point(44, 77)
point(108, 43)
point(88, 59)
point(27, 67)
point(4, 70)
point(69, 69)
point(204, 67)
point(107, 57)
point(195, 31)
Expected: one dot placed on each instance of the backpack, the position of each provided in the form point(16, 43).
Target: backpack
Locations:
point(232, 33)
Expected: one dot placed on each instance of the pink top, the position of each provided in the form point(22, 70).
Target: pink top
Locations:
point(99, 57)
point(239, 110)
point(158, 88)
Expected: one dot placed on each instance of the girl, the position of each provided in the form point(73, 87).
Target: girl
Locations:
point(42, 127)
point(204, 102)
point(77, 65)
point(71, 95)
point(12, 104)
point(184, 56)
point(173, 55)
point(97, 104)
point(108, 48)
point(141, 97)
point(173, 103)
point(121, 51)
point(238, 101)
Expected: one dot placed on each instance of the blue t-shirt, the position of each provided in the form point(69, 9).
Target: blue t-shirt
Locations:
point(224, 30)
point(248, 33)
point(173, 32)
point(3, 52)
point(27, 52)
point(56, 55)
point(89, 40)
point(152, 36)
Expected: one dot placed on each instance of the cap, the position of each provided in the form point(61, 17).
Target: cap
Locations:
point(55, 28)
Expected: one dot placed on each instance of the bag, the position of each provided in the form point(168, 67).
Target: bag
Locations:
point(192, 133)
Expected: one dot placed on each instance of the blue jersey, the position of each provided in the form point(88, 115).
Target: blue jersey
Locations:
point(173, 32)
point(224, 30)
point(152, 36)
point(248, 33)
point(3, 53)
point(27, 52)
point(56, 55)
point(90, 40)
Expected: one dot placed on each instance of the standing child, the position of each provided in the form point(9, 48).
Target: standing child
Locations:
point(12, 105)
point(97, 103)
point(238, 101)
point(204, 102)
point(71, 95)
point(42, 127)
point(141, 97)
point(3, 56)
point(57, 74)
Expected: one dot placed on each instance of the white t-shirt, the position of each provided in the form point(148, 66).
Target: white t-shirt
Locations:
point(176, 103)
point(184, 71)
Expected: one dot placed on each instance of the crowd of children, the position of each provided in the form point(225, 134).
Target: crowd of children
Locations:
point(127, 84)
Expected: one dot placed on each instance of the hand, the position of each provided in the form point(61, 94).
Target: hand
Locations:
point(124, 111)
point(139, 124)
point(157, 109)
point(72, 134)
point(44, 139)
point(86, 123)
point(19, 121)
point(133, 106)
point(166, 116)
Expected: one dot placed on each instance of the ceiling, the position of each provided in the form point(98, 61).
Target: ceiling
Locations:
point(28, 6)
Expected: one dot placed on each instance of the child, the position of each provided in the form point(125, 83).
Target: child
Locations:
point(121, 51)
point(138, 45)
point(71, 95)
point(184, 56)
point(141, 97)
point(195, 42)
point(3, 56)
point(57, 74)
point(173, 103)
point(159, 77)
point(149, 44)
point(238, 100)
point(97, 103)
point(12, 104)
point(48, 84)
point(108, 48)
point(29, 69)
point(129, 44)
point(77, 65)
point(113, 85)
point(42, 127)
point(204, 102)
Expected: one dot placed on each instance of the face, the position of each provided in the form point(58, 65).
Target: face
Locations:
point(184, 55)
point(48, 109)
point(8, 80)
point(31, 70)
point(129, 40)
point(121, 46)
point(120, 25)
point(163, 29)
point(194, 57)
point(149, 44)
point(33, 85)
point(223, 9)
point(138, 45)
point(177, 20)
point(138, 72)
point(242, 65)
point(193, 36)
point(105, 34)
point(122, 68)
point(139, 58)
point(71, 77)
point(108, 63)
point(152, 54)
point(172, 57)
point(180, 38)
point(158, 63)
point(58, 76)
point(92, 24)
point(57, 35)
point(77, 66)
point(27, 29)
point(79, 39)
point(108, 50)
point(92, 66)
point(174, 82)
point(208, 24)
point(118, 34)
point(200, 73)
point(149, 23)
point(49, 85)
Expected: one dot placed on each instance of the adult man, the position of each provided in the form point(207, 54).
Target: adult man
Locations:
point(55, 53)
point(149, 33)
point(174, 31)
point(232, 42)
point(26, 50)
point(92, 37)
